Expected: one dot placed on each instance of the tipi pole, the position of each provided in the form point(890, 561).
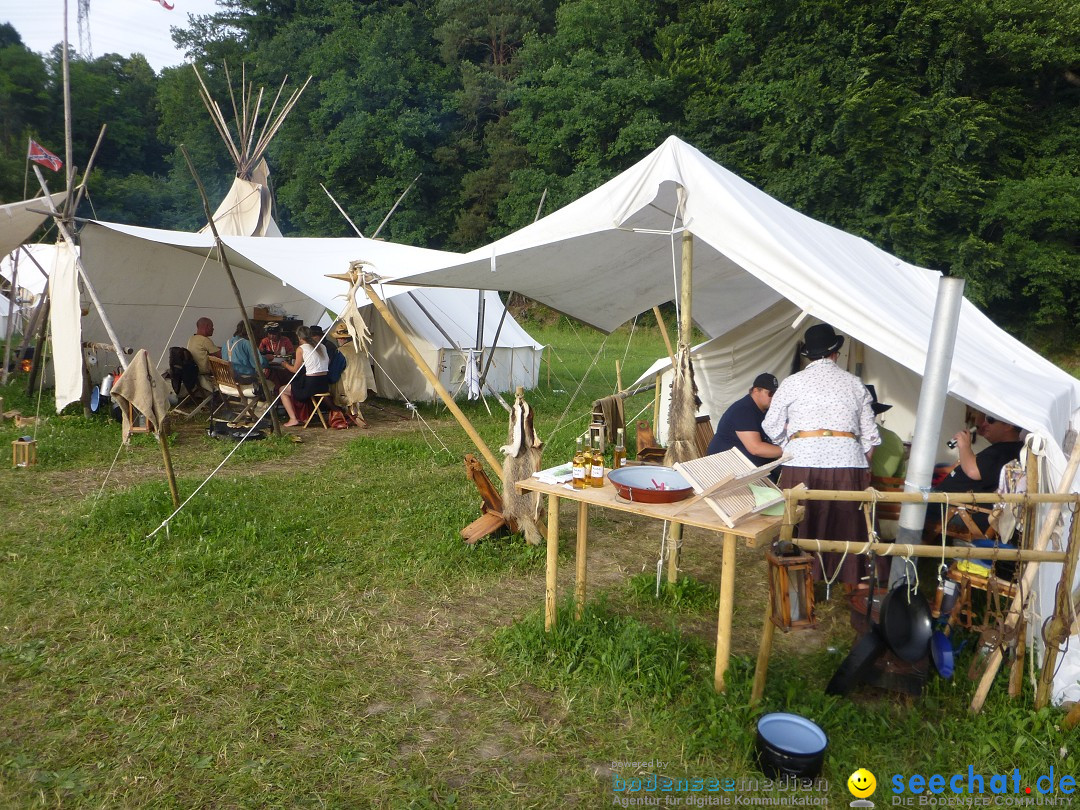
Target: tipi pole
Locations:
point(431, 377)
point(263, 382)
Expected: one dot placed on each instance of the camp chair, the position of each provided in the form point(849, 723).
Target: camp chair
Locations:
point(232, 392)
point(183, 373)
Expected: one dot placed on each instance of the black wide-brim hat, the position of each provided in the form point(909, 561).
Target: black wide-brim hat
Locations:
point(820, 341)
point(875, 406)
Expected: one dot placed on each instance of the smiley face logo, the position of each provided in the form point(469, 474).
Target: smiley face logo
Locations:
point(862, 783)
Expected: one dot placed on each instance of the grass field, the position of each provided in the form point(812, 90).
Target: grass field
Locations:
point(310, 631)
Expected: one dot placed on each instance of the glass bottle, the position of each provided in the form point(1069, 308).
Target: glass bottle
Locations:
point(619, 453)
point(579, 467)
point(588, 462)
point(597, 464)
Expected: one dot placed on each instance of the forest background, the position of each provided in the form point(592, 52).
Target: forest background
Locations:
point(944, 131)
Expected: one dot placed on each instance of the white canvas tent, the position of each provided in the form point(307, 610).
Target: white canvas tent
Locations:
point(18, 221)
point(154, 285)
point(615, 253)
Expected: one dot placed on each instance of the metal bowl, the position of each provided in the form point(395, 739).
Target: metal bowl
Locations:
point(650, 484)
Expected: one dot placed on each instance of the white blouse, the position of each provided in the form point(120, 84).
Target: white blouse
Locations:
point(316, 361)
point(823, 397)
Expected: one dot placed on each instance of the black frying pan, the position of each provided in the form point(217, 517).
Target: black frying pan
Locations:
point(905, 623)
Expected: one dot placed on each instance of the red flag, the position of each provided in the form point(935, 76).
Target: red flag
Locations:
point(39, 154)
point(166, 5)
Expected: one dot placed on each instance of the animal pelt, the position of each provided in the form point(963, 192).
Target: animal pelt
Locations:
point(682, 412)
point(523, 454)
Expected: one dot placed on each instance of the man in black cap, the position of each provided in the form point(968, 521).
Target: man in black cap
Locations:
point(823, 418)
point(740, 426)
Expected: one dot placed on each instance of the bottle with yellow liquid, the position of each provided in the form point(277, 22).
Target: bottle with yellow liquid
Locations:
point(588, 454)
point(579, 467)
point(597, 464)
point(619, 453)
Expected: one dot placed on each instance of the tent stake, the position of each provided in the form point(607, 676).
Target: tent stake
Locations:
point(444, 395)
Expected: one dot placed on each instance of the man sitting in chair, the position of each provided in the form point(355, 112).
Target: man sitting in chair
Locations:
point(201, 347)
point(976, 472)
point(980, 472)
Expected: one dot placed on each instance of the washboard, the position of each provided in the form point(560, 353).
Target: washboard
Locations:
point(723, 481)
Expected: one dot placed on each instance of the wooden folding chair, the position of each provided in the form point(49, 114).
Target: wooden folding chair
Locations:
point(184, 376)
point(232, 392)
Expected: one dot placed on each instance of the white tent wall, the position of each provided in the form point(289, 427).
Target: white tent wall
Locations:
point(725, 368)
point(33, 263)
point(445, 346)
point(615, 252)
point(144, 277)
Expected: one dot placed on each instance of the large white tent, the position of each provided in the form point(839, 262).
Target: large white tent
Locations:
point(154, 284)
point(615, 252)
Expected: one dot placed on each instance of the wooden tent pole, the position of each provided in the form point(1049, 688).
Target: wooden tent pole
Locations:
point(440, 389)
point(1057, 631)
point(1017, 607)
point(686, 320)
point(664, 334)
point(167, 458)
point(264, 383)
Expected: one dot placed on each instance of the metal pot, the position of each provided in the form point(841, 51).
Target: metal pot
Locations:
point(790, 745)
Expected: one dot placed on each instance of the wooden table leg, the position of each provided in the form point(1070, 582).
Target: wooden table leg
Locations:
point(550, 616)
point(727, 607)
point(582, 543)
point(762, 668)
point(674, 541)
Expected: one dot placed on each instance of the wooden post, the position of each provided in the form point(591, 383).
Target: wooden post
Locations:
point(761, 671)
point(686, 321)
point(440, 389)
point(264, 383)
point(1057, 631)
point(550, 595)
point(618, 377)
point(674, 542)
point(1027, 580)
point(727, 608)
point(168, 463)
point(664, 334)
point(582, 559)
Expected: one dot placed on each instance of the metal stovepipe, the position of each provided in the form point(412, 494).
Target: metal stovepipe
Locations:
point(928, 417)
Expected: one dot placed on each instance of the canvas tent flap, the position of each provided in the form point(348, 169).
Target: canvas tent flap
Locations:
point(18, 222)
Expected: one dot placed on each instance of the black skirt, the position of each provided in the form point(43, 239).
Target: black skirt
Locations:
point(306, 386)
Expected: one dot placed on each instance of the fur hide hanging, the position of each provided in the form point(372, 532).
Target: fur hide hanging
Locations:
point(682, 412)
point(523, 453)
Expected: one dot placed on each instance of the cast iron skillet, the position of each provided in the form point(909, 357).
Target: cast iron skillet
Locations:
point(858, 662)
point(905, 624)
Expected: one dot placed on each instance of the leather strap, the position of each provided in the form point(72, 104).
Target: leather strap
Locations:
point(807, 434)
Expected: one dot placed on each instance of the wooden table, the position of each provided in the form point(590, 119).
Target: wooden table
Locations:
point(757, 531)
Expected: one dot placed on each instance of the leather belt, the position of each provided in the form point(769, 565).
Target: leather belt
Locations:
point(808, 434)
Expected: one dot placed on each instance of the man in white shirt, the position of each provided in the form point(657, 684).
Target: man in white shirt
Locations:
point(822, 417)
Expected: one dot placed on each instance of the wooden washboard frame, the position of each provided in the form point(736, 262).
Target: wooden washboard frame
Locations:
point(723, 481)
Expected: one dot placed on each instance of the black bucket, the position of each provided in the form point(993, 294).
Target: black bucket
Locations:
point(790, 746)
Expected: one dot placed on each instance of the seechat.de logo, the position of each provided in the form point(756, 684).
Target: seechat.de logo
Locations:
point(862, 783)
